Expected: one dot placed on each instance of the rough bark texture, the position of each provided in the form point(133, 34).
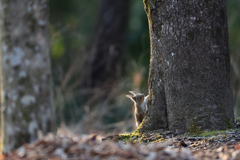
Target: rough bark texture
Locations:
point(26, 74)
point(189, 79)
point(107, 47)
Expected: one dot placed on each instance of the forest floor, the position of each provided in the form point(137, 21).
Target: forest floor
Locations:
point(152, 145)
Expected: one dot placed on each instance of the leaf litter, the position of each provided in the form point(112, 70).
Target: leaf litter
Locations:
point(95, 147)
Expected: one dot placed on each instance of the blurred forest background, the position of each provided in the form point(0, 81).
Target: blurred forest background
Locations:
point(100, 50)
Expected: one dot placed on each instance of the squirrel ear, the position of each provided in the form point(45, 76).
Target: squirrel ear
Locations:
point(134, 93)
point(131, 97)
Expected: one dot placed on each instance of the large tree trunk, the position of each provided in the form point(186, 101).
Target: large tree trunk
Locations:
point(26, 74)
point(107, 48)
point(189, 77)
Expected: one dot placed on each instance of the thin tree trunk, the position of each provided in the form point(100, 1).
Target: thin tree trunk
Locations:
point(107, 48)
point(189, 78)
point(26, 74)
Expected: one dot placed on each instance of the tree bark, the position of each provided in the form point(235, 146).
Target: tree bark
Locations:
point(107, 48)
point(189, 77)
point(26, 76)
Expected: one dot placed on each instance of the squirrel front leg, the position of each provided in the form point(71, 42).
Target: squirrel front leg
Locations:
point(145, 101)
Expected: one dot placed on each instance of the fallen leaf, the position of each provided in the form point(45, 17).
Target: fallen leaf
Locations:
point(236, 147)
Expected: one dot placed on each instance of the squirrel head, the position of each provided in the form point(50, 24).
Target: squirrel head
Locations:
point(137, 98)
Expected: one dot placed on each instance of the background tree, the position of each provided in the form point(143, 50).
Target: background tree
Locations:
point(27, 90)
point(107, 49)
point(189, 81)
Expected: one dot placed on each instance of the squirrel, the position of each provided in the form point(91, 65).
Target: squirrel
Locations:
point(140, 105)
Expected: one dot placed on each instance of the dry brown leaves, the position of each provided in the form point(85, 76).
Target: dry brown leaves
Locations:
point(56, 147)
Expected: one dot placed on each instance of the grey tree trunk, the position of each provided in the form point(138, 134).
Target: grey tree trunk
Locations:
point(26, 75)
point(189, 77)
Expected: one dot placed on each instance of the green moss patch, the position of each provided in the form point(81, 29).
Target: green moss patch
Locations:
point(207, 133)
point(137, 137)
